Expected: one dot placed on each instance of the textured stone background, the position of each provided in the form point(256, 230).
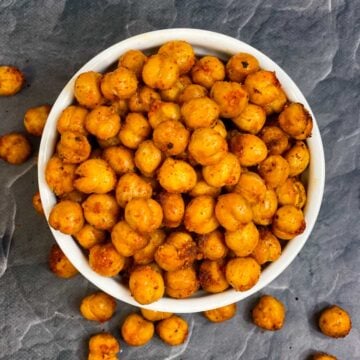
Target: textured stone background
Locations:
point(316, 42)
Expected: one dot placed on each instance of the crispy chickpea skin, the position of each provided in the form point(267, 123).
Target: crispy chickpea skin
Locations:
point(72, 119)
point(173, 330)
point(161, 111)
point(178, 251)
point(212, 245)
point(276, 140)
point(147, 158)
point(212, 276)
point(103, 346)
point(105, 260)
point(251, 186)
point(89, 236)
point(232, 211)
point(95, 176)
point(73, 148)
point(67, 217)
point(15, 148)
point(173, 207)
point(242, 273)
point(145, 255)
point(152, 315)
point(87, 89)
point(251, 119)
point(11, 80)
point(98, 307)
point(231, 97)
point(173, 93)
point(192, 91)
point(119, 158)
point(267, 249)
point(146, 284)
point(244, 240)
point(274, 170)
point(269, 313)
point(59, 264)
point(36, 201)
point(292, 192)
point(160, 72)
point(288, 222)
point(133, 60)
point(335, 322)
point(241, 65)
point(207, 70)
point(264, 210)
point(323, 356)
point(298, 158)
point(142, 100)
point(137, 331)
point(221, 314)
point(35, 119)
point(181, 284)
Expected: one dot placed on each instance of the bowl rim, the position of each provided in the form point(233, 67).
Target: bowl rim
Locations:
point(204, 42)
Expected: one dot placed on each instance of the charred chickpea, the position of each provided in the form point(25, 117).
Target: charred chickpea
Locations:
point(251, 119)
point(207, 70)
point(142, 100)
point(244, 240)
point(72, 119)
point(182, 283)
point(145, 255)
point(136, 331)
point(119, 158)
point(103, 346)
point(173, 330)
point(35, 119)
point(212, 276)
point(88, 236)
point(274, 170)
point(276, 140)
point(59, 264)
point(15, 148)
point(221, 314)
point(87, 89)
point(251, 186)
point(241, 65)
point(173, 93)
point(152, 315)
point(268, 247)
point(288, 222)
point(161, 111)
point(148, 158)
point(192, 91)
point(36, 201)
point(173, 207)
point(133, 60)
point(335, 322)
point(98, 307)
point(298, 158)
point(73, 148)
point(264, 210)
point(212, 245)
point(292, 192)
point(12, 80)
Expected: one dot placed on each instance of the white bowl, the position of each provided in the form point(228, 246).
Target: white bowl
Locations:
point(204, 42)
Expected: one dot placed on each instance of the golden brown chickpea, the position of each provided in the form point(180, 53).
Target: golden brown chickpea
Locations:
point(203, 188)
point(251, 119)
point(126, 240)
point(35, 119)
point(212, 276)
point(292, 192)
point(133, 60)
point(335, 322)
point(74, 195)
point(36, 201)
point(200, 215)
point(87, 89)
point(220, 128)
point(95, 176)
point(89, 236)
point(249, 149)
point(173, 209)
point(221, 314)
point(11, 80)
point(267, 249)
point(288, 222)
point(323, 356)
point(67, 217)
point(192, 91)
point(173, 93)
point(147, 157)
point(212, 246)
point(251, 186)
point(298, 158)
point(200, 112)
point(207, 70)
point(264, 210)
point(142, 100)
point(173, 330)
point(181, 284)
point(59, 264)
point(244, 240)
point(15, 148)
point(274, 170)
point(276, 140)
point(136, 331)
point(241, 65)
point(72, 119)
point(73, 148)
point(160, 72)
point(98, 307)
point(161, 111)
point(119, 158)
point(121, 106)
point(154, 315)
point(145, 255)
point(277, 104)
point(103, 346)
point(146, 284)
point(178, 251)
point(269, 313)
point(105, 260)
point(134, 130)
point(232, 211)
point(242, 273)
point(231, 97)
point(176, 176)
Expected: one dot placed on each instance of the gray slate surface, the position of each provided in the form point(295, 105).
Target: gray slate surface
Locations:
point(316, 42)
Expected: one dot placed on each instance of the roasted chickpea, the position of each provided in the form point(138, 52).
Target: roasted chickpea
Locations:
point(251, 186)
point(241, 65)
point(160, 72)
point(298, 158)
point(249, 149)
point(221, 314)
point(119, 158)
point(72, 119)
point(220, 128)
point(12, 80)
point(87, 89)
point(105, 260)
point(232, 211)
point(136, 331)
point(36, 201)
point(244, 240)
point(134, 130)
point(73, 148)
point(323, 356)
point(173, 207)
point(103, 346)
point(203, 188)
point(335, 322)
point(147, 157)
point(67, 217)
point(173, 93)
point(207, 70)
point(95, 176)
point(15, 148)
point(292, 192)
point(145, 255)
point(269, 313)
point(173, 330)
point(74, 195)
point(154, 315)
point(146, 284)
point(142, 100)
point(178, 251)
point(59, 264)
point(276, 140)
point(212, 245)
point(264, 210)
point(133, 60)
point(288, 222)
point(267, 249)
point(181, 284)
point(251, 119)
point(161, 111)
point(192, 91)
point(35, 119)
point(120, 106)
point(277, 104)
point(242, 273)
point(89, 236)
point(212, 276)
point(98, 307)
point(274, 170)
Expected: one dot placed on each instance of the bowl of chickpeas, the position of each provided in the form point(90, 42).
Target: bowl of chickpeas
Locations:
point(181, 170)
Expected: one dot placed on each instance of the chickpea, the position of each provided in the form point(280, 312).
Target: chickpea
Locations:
point(121, 106)
point(298, 158)
point(98, 307)
point(142, 100)
point(323, 356)
point(335, 322)
point(160, 72)
point(241, 65)
point(264, 210)
point(73, 148)
point(173, 330)
point(212, 276)
point(154, 315)
point(87, 89)
point(12, 80)
point(232, 211)
point(59, 264)
point(146, 284)
point(221, 314)
point(207, 70)
point(220, 128)
point(74, 195)
point(251, 186)
point(134, 130)
point(173, 93)
point(192, 91)
point(148, 157)
point(15, 148)
point(242, 273)
point(288, 222)
point(203, 188)
point(181, 284)
point(72, 119)
point(35, 119)
point(292, 192)
point(251, 119)
point(119, 158)
point(161, 111)
point(105, 260)
point(103, 346)
point(95, 176)
point(89, 236)
point(36, 201)
point(277, 105)
point(145, 255)
point(276, 140)
point(173, 207)
point(274, 170)
point(133, 60)
point(244, 240)
point(267, 249)
point(212, 245)
point(67, 217)
point(136, 331)
point(269, 313)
